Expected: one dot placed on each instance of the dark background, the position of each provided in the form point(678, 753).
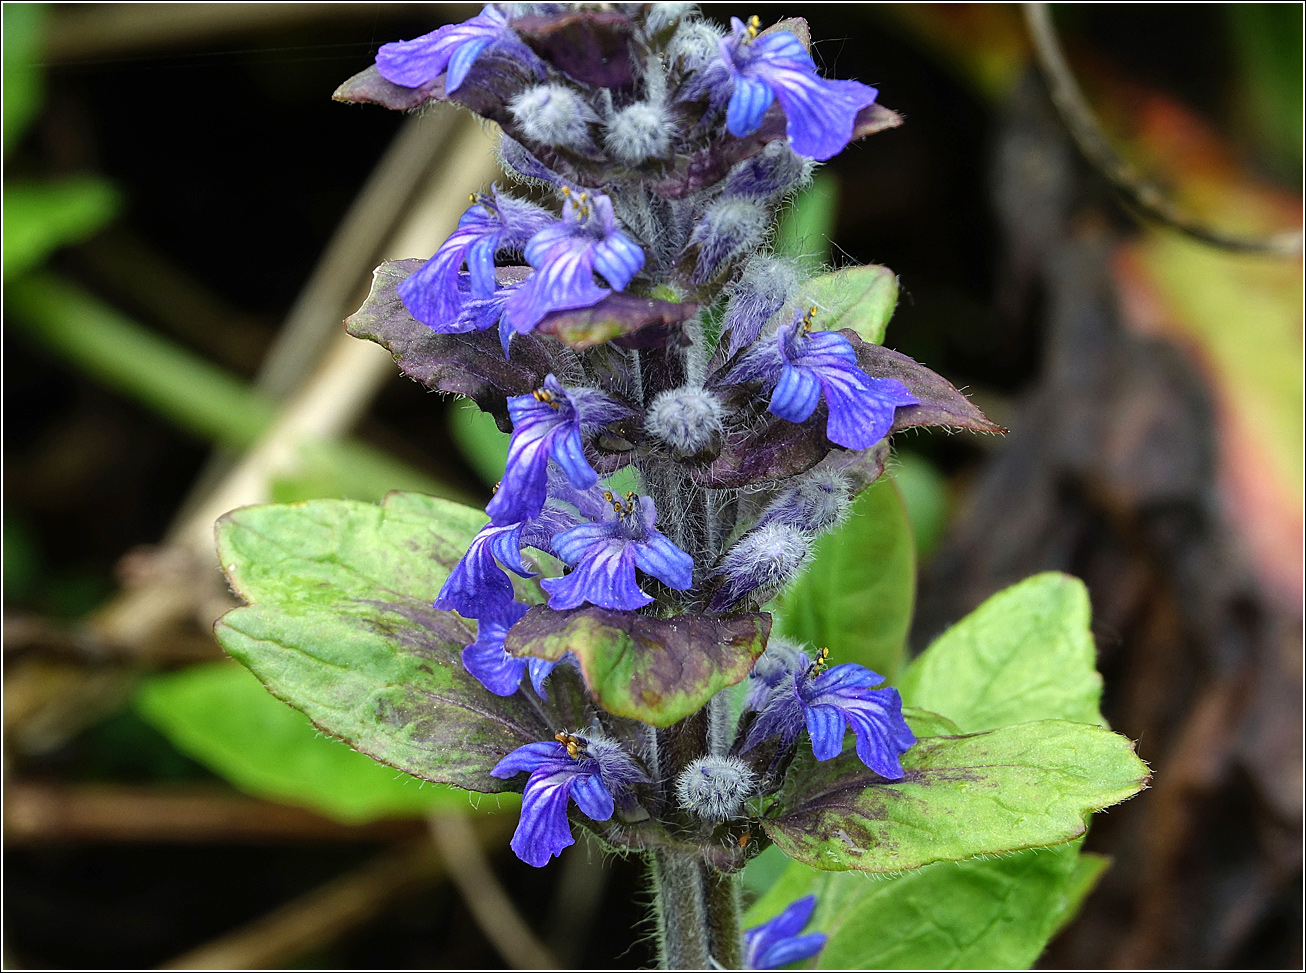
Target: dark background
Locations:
point(236, 167)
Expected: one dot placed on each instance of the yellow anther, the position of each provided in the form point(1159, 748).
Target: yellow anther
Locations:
point(754, 26)
point(495, 488)
point(545, 396)
point(607, 495)
point(822, 660)
point(566, 191)
point(630, 497)
point(574, 744)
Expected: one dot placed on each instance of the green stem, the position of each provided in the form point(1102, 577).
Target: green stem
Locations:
point(683, 939)
point(725, 932)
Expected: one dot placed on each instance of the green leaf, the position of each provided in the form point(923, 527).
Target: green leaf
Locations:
point(1025, 654)
point(856, 598)
point(478, 438)
point(221, 716)
point(23, 32)
point(41, 217)
point(861, 298)
point(1089, 868)
point(979, 914)
point(342, 628)
point(806, 226)
point(658, 670)
point(1018, 787)
point(924, 492)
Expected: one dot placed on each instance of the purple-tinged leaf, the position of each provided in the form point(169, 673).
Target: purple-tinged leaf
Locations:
point(711, 164)
point(658, 670)
point(793, 25)
point(629, 320)
point(369, 87)
point(940, 403)
point(341, 627)
point(591, 46)
point(1024, 786)
point(469, 364)
point(775, 450)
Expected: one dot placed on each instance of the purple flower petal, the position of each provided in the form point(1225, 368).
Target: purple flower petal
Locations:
point(453, 47)
point(777, 942)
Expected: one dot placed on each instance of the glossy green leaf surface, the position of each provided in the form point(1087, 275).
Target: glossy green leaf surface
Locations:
point(221, 715)
point(341, 626)
point(856, 597)
point(981, 914)
point(1025, 654)
point(1023, 786)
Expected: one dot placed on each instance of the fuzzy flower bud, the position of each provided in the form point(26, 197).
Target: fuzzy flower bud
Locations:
point(695, 43)
point(553, 114)
point(730, 227)
point(774, 171)
point(815, 505)
point(763, 287)
point(688, 420)
point(663, 16)
point(714, 788)
point(764, 561)
point(638, 132)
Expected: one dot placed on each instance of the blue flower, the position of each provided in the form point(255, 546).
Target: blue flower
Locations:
point(493, 667)
point(776, 942)
point(806, 364)
point(825, 701)
point(589, 770)
point(548, 423)
point(478, 587)
point(568, 254)
point(436, 294)
point(453, 48)
point(604, 553)
point(819, 114)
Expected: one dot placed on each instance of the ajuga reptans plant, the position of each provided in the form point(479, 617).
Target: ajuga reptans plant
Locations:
point(689, 413)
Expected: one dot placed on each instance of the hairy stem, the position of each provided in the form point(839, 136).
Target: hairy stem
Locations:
point(684, 942)
point(721, 901)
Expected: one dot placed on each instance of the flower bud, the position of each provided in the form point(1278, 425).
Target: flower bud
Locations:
point(689, 420)
point(774, 171)
point(638, 132)
point(554, 115)
point(730, 227)
point(763, 287)
point(815, 505)
point(764, 561)
point(715, 788)
point(663, 16)
point(695, 43)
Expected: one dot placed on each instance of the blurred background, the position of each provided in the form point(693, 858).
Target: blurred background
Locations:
point(188, 217)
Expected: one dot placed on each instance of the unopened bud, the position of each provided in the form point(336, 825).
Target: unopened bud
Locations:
point(816, 504)
point(688, 420)
point(731, 227)
point(715, 788)
point(639, 132)
point(763, 287)
point(774, 171)
point(555, 115)
point(764, 561)
point(694, 44)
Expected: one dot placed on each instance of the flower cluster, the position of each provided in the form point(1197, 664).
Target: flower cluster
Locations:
point(683, 428)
